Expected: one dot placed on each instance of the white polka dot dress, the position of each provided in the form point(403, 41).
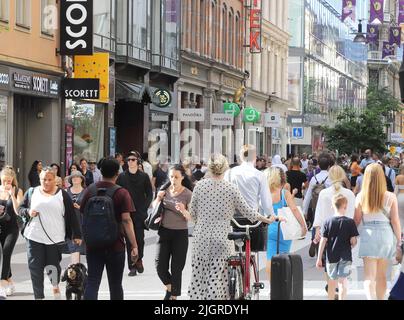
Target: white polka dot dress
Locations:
point(212, 206)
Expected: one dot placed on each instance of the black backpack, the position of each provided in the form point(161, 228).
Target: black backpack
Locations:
point(100, 226)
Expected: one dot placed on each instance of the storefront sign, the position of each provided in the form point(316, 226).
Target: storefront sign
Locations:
point(251, 115)
point(231, 108)
point(112, 141)
point(191, 115)
point(69, 146)
point(95, 66)
point(255, 26)
point(76, 27)
point(295, 120)
point(272, 120)
point(222, 119)
point(28, 82)
point(159, 117)
point(161, 98)
point(4, 78)
point(81, 88)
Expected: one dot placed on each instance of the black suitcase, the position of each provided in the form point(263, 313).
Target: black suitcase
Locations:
point(286, 276)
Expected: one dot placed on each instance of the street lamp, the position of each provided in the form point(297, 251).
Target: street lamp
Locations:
point(401, 79)
point(360, 36)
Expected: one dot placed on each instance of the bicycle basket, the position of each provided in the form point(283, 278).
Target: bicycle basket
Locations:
point(259, 236)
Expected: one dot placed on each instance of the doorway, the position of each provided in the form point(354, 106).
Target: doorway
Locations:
point(130, 126)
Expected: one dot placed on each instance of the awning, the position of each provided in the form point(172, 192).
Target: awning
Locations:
point(130, 91)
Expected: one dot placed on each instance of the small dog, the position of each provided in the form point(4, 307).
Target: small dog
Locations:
point(76, 277)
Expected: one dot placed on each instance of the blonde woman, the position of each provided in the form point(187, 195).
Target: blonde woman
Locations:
point(52, 220)
point(280, 198)
point(399, 191)
point(325, 211)
point(212, 207)
point(10, 199)
point(380, 237)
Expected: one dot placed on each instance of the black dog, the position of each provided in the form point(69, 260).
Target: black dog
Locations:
point(76, 277)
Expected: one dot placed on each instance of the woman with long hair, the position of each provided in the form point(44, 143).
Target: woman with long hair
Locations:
point(280, 198)
point(172, 245)
point(380, 236)
point(34, 172)
point(10, 198)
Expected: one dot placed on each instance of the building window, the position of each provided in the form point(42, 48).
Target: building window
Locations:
point(122, 28)
point(171, 11)
point(238, 43)
point(23, 13)
point(213, 30)
point(3, 130)
point(231, 38)
point(203, 27)
point(4, 10)
point(103, 15)
point(48, 12)
point(140, 29)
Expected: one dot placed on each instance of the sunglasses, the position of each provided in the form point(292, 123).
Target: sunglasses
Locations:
point(132, 159)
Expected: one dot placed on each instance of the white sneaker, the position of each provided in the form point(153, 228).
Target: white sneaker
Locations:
point(10, 290)
point(3, 295)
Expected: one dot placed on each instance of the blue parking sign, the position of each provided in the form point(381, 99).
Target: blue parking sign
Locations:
point(297, 133)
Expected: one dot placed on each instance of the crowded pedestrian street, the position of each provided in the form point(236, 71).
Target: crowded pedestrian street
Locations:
point(217, 151)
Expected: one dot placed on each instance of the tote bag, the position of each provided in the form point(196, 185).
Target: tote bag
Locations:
point(291, 228)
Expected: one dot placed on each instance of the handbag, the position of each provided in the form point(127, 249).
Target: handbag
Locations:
point(291, 228)
point(155, 217)
point(5, 216)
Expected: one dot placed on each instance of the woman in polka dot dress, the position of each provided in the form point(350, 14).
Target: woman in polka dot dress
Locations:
point(212, 207)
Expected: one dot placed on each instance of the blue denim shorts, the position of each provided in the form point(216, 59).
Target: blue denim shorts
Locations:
point(377, 240)
point(341, 269)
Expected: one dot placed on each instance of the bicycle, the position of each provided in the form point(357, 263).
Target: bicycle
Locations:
point(240, 266)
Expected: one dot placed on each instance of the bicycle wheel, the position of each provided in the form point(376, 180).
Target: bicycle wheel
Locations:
point(236, 284)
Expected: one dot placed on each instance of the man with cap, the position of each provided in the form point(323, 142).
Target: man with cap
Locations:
point(140, 189)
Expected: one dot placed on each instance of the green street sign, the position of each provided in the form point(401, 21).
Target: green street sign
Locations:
point(232, 108)
point(251, 115)
point(161, 98)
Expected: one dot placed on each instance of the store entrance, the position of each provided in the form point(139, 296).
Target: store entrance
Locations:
point(130, 126)
point(32, 135)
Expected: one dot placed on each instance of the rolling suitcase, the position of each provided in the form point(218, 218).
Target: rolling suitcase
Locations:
point(286, 275)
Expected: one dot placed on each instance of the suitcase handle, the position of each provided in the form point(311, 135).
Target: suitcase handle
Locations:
point(278, 240)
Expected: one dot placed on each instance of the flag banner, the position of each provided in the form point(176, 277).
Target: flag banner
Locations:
point(388, 49)
point(372, 34)
point(400, 11)
point(376, 12)
point(348, 9)
point(395, 36)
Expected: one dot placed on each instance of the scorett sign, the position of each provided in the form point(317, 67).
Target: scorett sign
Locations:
point(81, 88)
point(76, 27)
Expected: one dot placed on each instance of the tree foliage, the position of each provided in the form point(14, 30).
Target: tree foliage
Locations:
point(355, 132)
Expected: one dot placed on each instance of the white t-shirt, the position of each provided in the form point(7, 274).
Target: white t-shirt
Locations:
point(324, 208)
point(51, 210)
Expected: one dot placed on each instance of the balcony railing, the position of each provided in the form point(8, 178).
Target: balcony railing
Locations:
point(104, 43)
point(166, 62)
point(133, 52)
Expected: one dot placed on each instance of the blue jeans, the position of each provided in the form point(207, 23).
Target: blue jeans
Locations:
point(115, 263)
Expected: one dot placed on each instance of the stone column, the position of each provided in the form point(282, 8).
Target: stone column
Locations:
point(272, 11)
point(264, 67)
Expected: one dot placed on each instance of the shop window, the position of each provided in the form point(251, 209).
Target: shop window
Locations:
point(88, 122)
point(23, 13)
point(3, 130)
point(4, 10)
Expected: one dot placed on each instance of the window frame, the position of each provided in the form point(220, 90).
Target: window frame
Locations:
point(6, 18)
point(26, 15)
point(47, 32)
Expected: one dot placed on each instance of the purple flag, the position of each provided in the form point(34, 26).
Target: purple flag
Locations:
point(376, 12)
point(395, 36)
point(388, 49)
point(401, 11)
point(348, 9)
point(372, 34)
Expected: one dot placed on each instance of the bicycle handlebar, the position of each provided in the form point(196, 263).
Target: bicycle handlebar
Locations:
point(248, 225)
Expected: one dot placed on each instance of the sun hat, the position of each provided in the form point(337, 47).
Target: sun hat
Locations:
point(76, 174)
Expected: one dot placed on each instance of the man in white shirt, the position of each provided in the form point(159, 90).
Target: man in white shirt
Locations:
point(367, 160)
point(96, 172)
point(252, 183)
point(324, 164)
point(304, 162)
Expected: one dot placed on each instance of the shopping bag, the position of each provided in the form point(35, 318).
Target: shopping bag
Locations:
point(291, 228)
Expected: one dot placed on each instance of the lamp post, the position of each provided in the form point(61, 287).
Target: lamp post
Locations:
point(360, 36)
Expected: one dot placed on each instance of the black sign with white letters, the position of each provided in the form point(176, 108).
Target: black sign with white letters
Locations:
point(81, 88)
point(76, 27)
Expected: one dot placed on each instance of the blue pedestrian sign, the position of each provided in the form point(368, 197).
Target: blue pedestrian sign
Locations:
point(297, 133)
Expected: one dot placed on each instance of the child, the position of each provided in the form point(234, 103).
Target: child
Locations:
point(339, 234)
